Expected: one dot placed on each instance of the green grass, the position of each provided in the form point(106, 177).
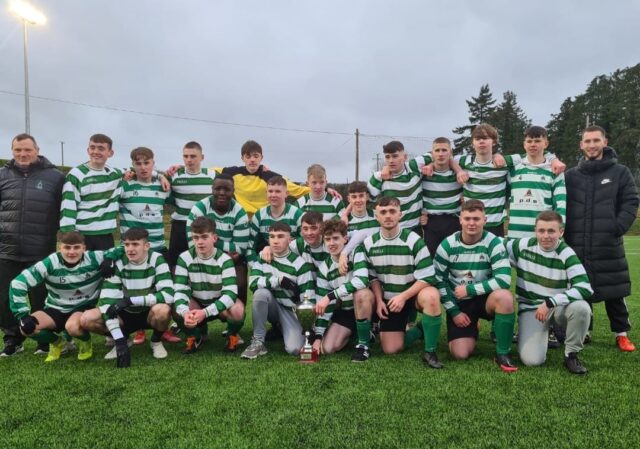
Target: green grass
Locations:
point(213, 399)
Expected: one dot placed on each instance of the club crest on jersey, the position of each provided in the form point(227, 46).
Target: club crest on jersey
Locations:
point(39, 185)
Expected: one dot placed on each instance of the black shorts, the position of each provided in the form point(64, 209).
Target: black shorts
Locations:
point(177, 241)
point(475, 308)
point(397, 321)
point(60, 318)
point(438, 228)
point(100, 242)
point(345, 318)
point(132, 322)
point(209, 318)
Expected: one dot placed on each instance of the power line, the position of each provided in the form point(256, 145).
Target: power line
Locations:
point(215, 122)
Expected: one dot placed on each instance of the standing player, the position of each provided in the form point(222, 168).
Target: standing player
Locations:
point(138, 296)
point(472, 267)
point(277, 287)
point(534, 186)
point(72, 277)
point(402, 280)
point(189, 184)
point(356, 214)
point(90, 196)
point(552, 286)
point(319, 200)
point(206, 287)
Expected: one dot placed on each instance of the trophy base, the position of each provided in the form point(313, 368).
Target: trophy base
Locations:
point(308, 357)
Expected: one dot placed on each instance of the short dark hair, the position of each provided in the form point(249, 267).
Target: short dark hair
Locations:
point(385, 200)
point(25, 136)
point(224, 177)
point(392, 147)
point(311, 217)
point(277, 181)
point(485, 131)
point(141, 153)
point(550, 215)
point(333, 226)
point(202, 225)
point(193, 145)
point(472, 205)
point(358, 187)
point(71, 238)
point(594, 128)
point(133, 234)
point(534, 132)
point(250, 146)
point(280, 226)
point(442, 140)
point(101, 138)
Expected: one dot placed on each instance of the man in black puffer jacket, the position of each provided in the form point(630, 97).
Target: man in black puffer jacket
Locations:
point(30, 196)
point(602, 202)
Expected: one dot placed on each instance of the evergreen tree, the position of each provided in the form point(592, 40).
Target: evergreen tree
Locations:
point(511, 122)
point(481, 108)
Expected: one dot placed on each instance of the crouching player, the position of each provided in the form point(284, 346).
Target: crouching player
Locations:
point(344, 300)
point(472, 267)
point(403, 273)
point(72, 276)
point(138, 296)
point(277, 287)
point(552, 286)
point(206, 288)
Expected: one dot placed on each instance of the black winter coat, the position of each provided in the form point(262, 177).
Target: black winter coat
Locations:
point(29, 210)
point(602, 202)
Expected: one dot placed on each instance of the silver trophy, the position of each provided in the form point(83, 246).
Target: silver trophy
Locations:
point(305, 311)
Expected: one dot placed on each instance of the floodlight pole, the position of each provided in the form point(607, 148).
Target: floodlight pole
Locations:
point(27, 114)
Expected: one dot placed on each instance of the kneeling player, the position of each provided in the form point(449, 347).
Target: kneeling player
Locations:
point(72, 276)
point(473, 273)
point(206, 287)
point(138, 296)
point(403, 270)
point(277, 287)
point(339, 294)
point(552, 286)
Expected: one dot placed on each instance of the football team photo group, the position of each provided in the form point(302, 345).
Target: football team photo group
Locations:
point(421, 257)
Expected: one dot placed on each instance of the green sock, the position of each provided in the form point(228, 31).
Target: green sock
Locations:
point(431, 328)
point(66, 336)
point(412, 335)
point(86, 336)
point(234, 326)
point(46, 337)
point(363, 328)
point(504, 323)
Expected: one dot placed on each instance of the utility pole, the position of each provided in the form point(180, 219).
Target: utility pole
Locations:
point(357, 154)
point(62, 151)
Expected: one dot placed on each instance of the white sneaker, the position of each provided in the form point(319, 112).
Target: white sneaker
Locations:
point(158, 350)
point(113, 354)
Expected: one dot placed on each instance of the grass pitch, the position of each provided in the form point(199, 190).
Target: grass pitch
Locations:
point(213, 399)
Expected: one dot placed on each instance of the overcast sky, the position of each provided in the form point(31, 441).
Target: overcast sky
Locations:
point(401, 68)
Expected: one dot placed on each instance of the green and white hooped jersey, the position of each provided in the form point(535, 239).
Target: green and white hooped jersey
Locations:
point(232, 227)
point(262, 220)
point(90, 200)
point(189, 188)
point(367, 221)
point(313, 255)
point(407, 187)
point(329, 206)
point(534, 188)
point(68, 288)
point(441, 193)
point(142, 206)
point(489, 185)
point(268, 275)
point(150, 280)
point(556, 275)
point(211, 282)
point(396, 262)
point(330, 281)
point(482, 268)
